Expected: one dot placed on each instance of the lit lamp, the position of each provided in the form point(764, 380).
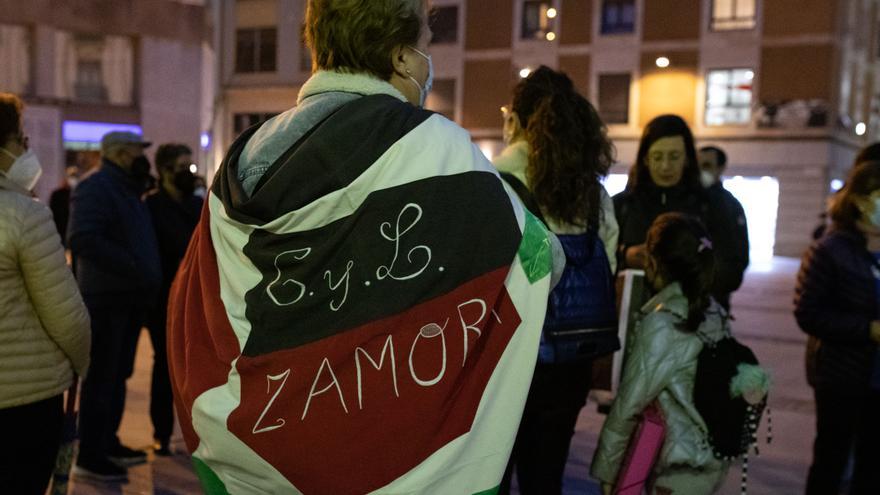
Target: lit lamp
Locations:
point(861, 129)
point(552, 13)
point(662, 62)
point(551, 36)
point(524, 72)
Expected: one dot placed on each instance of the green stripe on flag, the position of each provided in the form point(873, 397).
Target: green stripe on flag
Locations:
point(491, 491)
point(211, 484)
point(534, 250)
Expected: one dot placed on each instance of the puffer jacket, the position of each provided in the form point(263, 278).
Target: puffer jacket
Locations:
point(44, 325)
point(661, 364)
point(836, 301)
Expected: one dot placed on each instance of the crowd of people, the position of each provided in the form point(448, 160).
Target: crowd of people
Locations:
point(80, 321)
point(247, 294)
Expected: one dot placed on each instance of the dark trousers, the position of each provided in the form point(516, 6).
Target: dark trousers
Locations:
point(557, 394)
point(845, 424)
point(31, 436)
point(161, 398)
point(115, 332)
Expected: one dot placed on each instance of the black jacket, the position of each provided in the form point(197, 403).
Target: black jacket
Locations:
point(637, 209)
point(836, 301)
point(112, 240)
point(174, 223)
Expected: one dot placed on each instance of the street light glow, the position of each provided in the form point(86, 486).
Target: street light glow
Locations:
point(551, 13)
point(662, 62)
point(524, 73)
point(861, 129)
point(551, 36)
point(193, 168)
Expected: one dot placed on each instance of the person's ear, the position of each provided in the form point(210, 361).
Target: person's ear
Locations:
point(400, 61)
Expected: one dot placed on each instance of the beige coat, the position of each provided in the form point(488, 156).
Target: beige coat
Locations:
point(44, 325)
point(661, 363)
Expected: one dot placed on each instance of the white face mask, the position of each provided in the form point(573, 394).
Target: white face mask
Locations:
point(25, 170)
point(874, 217)
point(429, 83)
point(707, 179)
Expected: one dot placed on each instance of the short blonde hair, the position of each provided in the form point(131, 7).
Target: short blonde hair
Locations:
point(359, 35)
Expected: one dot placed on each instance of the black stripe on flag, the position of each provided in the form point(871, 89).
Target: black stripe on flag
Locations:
point(401, 247)
point(327, 158)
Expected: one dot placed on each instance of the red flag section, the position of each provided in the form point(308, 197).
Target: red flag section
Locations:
point(353, 412)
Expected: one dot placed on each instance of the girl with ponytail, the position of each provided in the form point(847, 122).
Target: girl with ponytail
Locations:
point(557, 153)
point(661, 362)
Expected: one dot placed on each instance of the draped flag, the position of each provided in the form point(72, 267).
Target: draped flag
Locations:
point(366, 322)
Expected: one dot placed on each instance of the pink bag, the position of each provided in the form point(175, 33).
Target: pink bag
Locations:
point(644, 447)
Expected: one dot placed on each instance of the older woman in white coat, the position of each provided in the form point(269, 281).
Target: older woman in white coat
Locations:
point(44, 325)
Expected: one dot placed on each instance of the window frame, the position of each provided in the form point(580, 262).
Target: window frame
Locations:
point(540, 33)
point(733, 19)
point(257, 57)
point(602, 111)
point(728, 104)
point(619, 28)
point(456, 38)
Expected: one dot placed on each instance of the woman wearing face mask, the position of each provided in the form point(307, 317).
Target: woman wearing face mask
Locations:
point(44, 325)
point(559, 151)
point(360, 256)
point(837, 301)
point(666, 178)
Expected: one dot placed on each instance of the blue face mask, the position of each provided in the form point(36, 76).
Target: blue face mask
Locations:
point(429, 83)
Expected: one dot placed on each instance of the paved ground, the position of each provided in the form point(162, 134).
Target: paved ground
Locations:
point(763, 321)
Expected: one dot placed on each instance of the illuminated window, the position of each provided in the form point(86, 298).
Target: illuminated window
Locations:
point(444, 25)
point(729, 97)
point(618, 16)
point(614, 98)
point(729, 15)
point(256, 50)
point(535, 21)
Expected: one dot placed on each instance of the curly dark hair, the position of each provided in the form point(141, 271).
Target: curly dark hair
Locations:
point(569, 149)
point(662, 127)
point(682, 249)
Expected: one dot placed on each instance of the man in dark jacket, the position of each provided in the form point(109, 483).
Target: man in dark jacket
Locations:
point(117, 266)
point(713, 161)
point(175, 211)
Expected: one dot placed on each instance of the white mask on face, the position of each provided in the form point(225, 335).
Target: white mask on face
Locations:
point(25, 170)
point(707, 179)
point(874, 216)
point(429, 83)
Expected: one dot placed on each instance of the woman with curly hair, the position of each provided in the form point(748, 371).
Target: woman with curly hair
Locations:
point(558, 152)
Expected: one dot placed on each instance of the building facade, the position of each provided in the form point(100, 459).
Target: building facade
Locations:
point(85, 67)
point(786, 87)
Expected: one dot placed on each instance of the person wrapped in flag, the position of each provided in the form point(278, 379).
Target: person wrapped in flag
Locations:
point(360, 307)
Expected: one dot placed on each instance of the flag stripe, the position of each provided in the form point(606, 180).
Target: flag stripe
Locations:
point(401, 247)
point(328, 158)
